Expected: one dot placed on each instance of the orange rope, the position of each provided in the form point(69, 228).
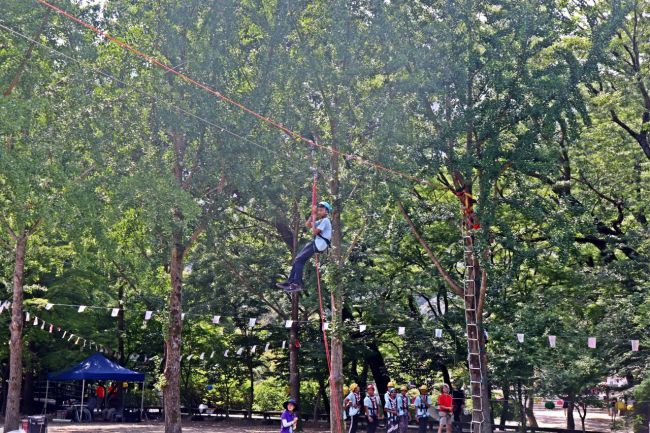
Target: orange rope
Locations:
point(227, 99)
point(333, 388)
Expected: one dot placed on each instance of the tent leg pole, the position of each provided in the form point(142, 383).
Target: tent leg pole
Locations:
point(142, 404)
point(81, 409)
point(47, 389)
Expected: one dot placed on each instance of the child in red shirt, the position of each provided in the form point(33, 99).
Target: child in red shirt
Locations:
point(445, 405)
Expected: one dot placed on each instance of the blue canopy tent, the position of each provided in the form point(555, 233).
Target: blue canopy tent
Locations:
point(97, 367)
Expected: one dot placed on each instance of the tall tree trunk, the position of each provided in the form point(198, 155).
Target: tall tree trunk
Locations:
point(522, 407)
point(12, 413)
point(251, 392)
point(171, 389)
point(120, 326)
point(570, 421)
point(506, 407)
point(337, 295)
point(530, 412)
point(322, 390)
point(378, 367)
point(294, 366)
point(446, 377)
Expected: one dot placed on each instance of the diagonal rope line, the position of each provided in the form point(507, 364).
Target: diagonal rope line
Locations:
point(170, 104)
point(233, 102)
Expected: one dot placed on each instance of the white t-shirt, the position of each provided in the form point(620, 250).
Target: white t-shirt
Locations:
point(325, 226)
point(373, 410)
point(354, 401)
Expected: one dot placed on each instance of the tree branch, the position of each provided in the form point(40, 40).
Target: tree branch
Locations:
point(443, 272)
point(28, 55)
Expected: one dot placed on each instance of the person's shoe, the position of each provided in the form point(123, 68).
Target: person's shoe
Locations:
point(293, 288)
point(284, 285)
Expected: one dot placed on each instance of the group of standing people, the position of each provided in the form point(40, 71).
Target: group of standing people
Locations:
point(107, 400)
point(396, 409)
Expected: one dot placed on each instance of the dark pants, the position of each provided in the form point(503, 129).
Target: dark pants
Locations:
point(372, 426)
point(423, 424)
point(354, 421)
point(299, 263)
point(457, 425)
point(403, 424)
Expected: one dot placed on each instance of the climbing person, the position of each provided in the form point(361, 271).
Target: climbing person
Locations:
point(289, 419)
point(353, 405)
point(422, 404)
point(321, 229)
point(445, 406)
point(392, 420)
point(403, 403)
point(372, 407)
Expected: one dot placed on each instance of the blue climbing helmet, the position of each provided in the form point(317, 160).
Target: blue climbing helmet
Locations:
point(326, 205)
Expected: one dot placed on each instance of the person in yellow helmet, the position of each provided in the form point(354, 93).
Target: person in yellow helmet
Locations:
point(390, 385)
point(352, 406)
point(403, 404)
point(422, 404)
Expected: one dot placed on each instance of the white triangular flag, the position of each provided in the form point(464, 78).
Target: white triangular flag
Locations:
point(2, 309)
point(77, 342)
point(115, 312)
point(216, 319)
point(35, 321)
point(520, 338)
point(362, 328)
point(51, 328)
point(182, 316)
point(48, 307)
point(202, 355)
point(64, 332)
point(591, 342)
point(147, 315)
point(401, 330)
point(284, 344)
point(240, 351)
point(266, 348)
point(212, 355)
point(189, 357)
point(253, 349)
point(326, 326)
point(251, 322)
point(70, 337)
point(635, 345)
point(438, 333)
point(27, 317)
point(43, 325)
point(288, 324)
point(552, 340)
point(225, 354)
point(81, 309)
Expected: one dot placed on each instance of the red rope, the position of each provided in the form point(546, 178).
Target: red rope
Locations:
point(233, 102)
point(333, 387)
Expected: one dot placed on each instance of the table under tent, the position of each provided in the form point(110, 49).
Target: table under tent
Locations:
point(96, 368)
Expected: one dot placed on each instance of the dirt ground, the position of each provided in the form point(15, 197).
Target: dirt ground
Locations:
point(597, 420)
point(196, 427)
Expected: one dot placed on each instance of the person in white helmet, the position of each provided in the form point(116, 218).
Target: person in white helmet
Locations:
point(321, 229)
